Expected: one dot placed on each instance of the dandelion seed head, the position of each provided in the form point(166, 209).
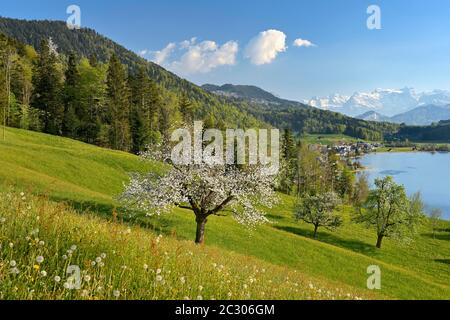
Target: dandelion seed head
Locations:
point(40, 259)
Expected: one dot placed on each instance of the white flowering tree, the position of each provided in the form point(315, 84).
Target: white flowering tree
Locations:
point(207, 189)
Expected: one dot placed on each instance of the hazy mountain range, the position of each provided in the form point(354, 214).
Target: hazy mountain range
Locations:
point(389, 105)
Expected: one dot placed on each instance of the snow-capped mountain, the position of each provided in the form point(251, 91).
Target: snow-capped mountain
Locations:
point(386, 102)
point(333, 102)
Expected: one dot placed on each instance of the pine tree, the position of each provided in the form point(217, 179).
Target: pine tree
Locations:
point(47, 90)
point(71, 122)
point(118, 105)
point(186, 108)
point(146, 99)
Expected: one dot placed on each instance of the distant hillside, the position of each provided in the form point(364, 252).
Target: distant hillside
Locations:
point(439, 132)
point(374, 116)
point(301, 118)
point(245, 92)
point(423, 115)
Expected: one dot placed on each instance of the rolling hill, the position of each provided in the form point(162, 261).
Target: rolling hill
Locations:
point(89, 179)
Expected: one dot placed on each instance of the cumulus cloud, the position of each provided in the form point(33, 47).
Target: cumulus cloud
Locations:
point(265, 47)
point(196, 57)
point(161, 56)
point(303, 43)
point(143, 53)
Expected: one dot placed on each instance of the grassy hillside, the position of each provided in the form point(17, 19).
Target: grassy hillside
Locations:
point(90, 177)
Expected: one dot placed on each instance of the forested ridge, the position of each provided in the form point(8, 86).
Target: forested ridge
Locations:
point(91, 87)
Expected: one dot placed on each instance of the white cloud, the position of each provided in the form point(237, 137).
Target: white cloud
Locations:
point(205, 56)
point(161, 56)
point(265, 47)
point(143, 53)
point(303, 43)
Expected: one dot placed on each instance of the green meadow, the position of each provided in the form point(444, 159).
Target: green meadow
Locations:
point(73, 188)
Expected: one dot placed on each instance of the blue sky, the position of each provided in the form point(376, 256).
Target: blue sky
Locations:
point(412, 48)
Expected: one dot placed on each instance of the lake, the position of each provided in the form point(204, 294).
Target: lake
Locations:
point(418, 171)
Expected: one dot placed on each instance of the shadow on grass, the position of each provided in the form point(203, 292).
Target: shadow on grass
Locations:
point(354, 245)
point(438, 236)
point(446, 261)
point(124, 215)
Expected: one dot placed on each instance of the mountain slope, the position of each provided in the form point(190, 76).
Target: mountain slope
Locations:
point(374, 116)
point(87, 42)
point(252, 93)
point(228, 111)
point(90, 178)
point(423, 115)
point(300, 117)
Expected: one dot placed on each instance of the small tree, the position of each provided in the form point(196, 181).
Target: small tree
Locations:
point(208, 189)
point(435, 220)
point(318, 211)
point(390, 211)
point(360, 191)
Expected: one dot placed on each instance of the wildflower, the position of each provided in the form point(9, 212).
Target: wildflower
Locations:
point(11, 244)
point(43, 273)
point(199, 298)
point(13, 263)
point(158, 271)
point(22, 194)
point(14, 270)
point(159, 278)
point(87, 278)
point(66, 285)
point(84, 293)
point(40, 259)
point(2, 220)
point(98, 259)
point(73, 247)
point(183, 280)
point(229, 294)
point(64, 257)
point(103, 255)
point(41, 243)
point(186, 298)
point(146, 266)
point(200, 288)
point(101, 264)
point(116, 293)
point(57, 279)
point(245, 286)
point(93, 263)
point(36, 267)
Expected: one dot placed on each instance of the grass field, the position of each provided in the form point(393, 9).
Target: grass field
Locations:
point(89, 178)
point(328, 139)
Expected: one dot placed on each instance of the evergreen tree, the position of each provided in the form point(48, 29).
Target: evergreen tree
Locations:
point(47, 90)
point(118, 105)
point(186, 108)
point(71, 122)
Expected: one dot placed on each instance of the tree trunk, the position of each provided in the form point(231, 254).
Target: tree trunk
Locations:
point(200, 235)
point(315, 232)
point(379, 240)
